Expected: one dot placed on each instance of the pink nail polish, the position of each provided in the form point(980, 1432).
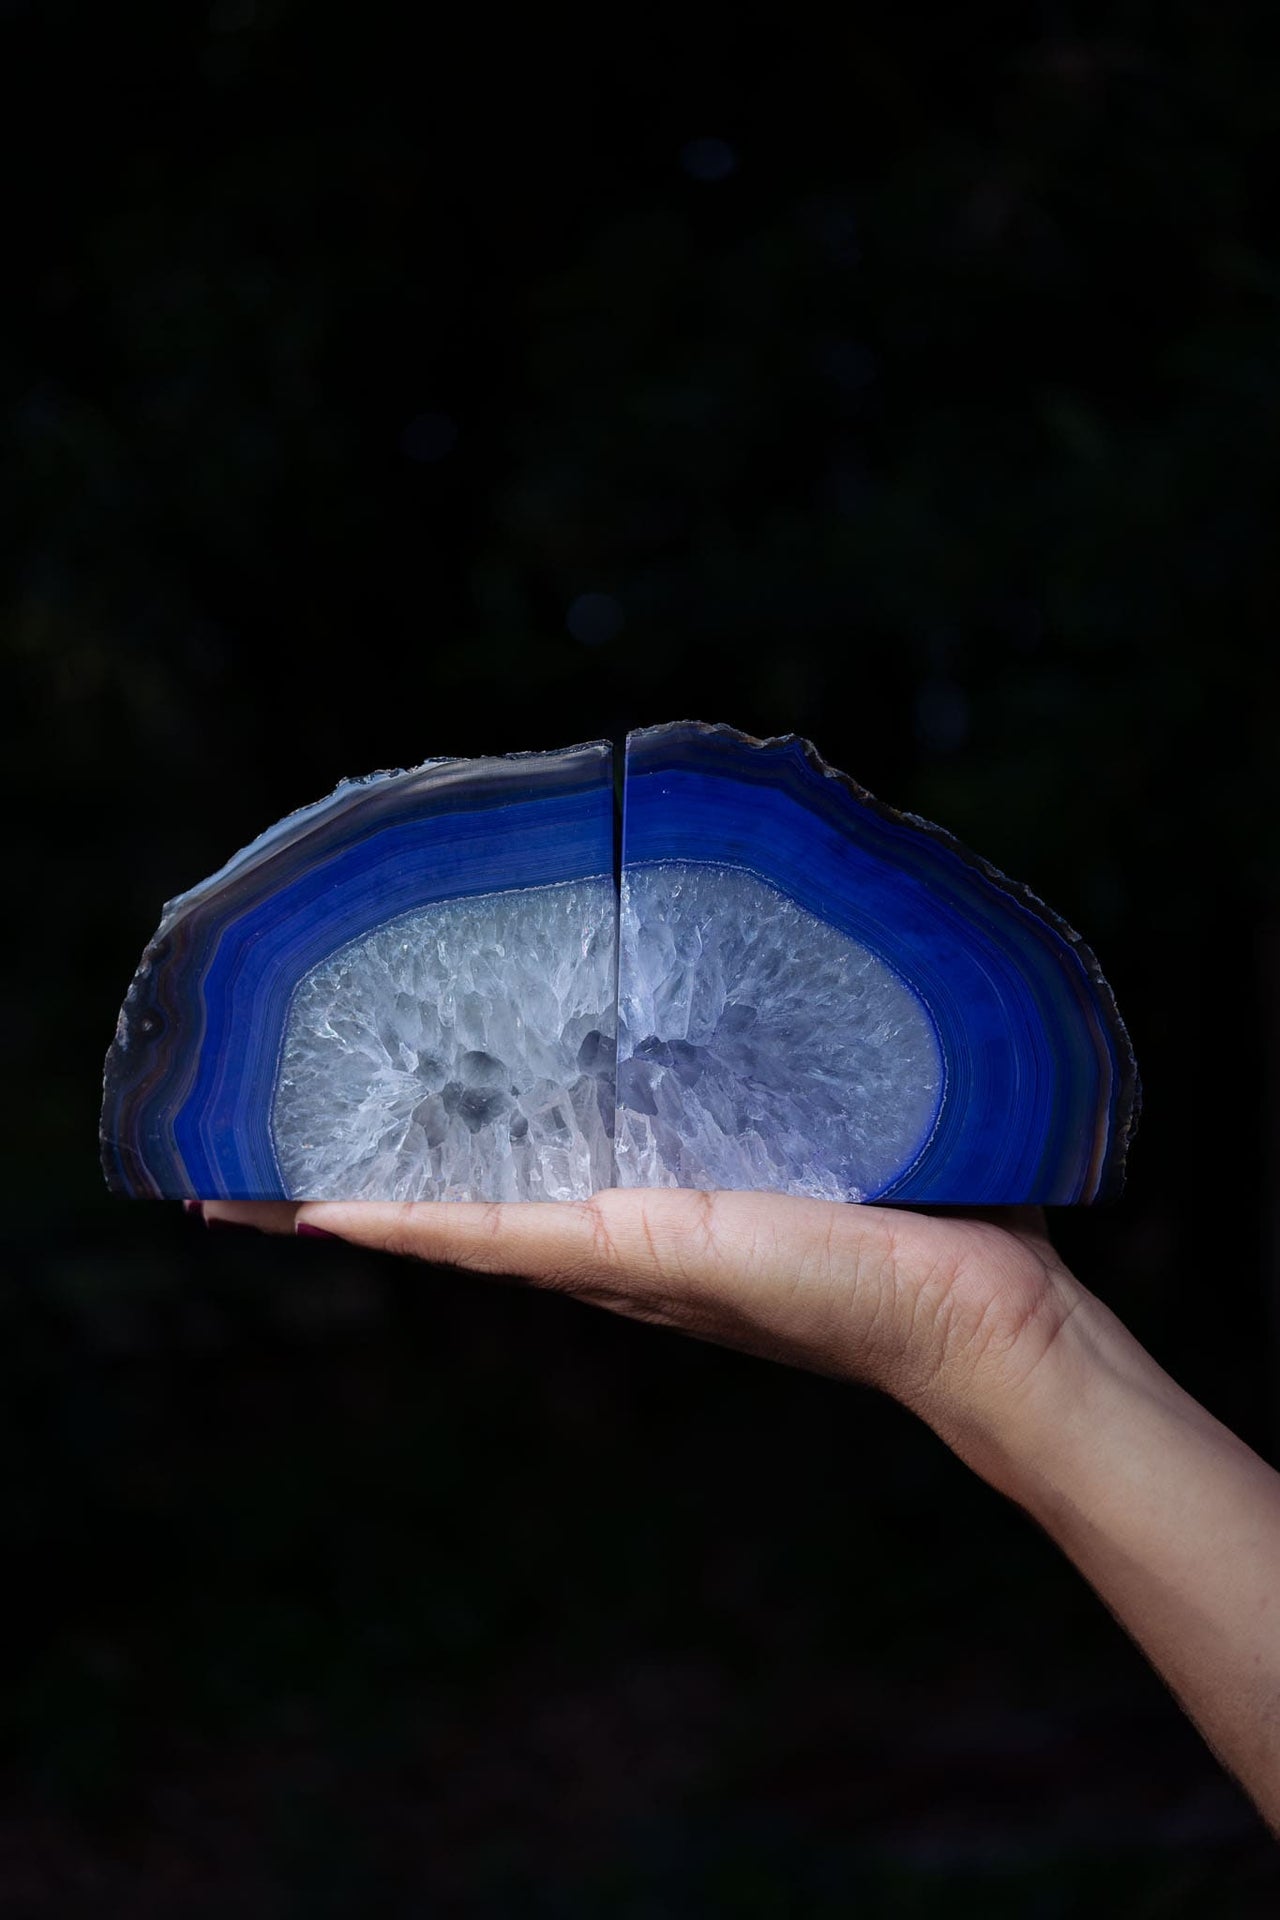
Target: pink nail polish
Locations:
point(193, 1206)
point(305, 1228)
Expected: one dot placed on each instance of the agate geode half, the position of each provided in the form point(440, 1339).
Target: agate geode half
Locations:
point(431, 986)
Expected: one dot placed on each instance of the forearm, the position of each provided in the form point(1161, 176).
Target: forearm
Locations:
point(1170, 1517)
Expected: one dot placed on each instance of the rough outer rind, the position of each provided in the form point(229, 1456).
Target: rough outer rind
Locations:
point(705, 791)
point(187, 1086)
point(188, 1080)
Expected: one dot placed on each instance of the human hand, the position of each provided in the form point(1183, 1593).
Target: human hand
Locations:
point(1173, 1519)
point(950, 1314)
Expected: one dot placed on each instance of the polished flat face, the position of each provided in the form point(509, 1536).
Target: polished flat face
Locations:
point(467, 1048)
point(432, 986)
point(889, 934)
point(405, 991)
point(760, 1047)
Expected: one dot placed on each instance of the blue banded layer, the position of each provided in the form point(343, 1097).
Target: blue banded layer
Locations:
point(190, 1077)
point(1040, 1086)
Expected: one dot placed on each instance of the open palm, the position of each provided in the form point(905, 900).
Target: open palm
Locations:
point(932, 1308)
point(1172, 1518)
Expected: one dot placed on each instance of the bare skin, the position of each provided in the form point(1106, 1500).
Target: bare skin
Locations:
point(974, 1324)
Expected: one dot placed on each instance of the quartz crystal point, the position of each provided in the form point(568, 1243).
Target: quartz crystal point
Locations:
point(429, 986)
point(406, 991)
point(821, 995)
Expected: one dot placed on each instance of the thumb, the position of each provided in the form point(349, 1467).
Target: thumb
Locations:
point(553, 1244)
point(787, 1278)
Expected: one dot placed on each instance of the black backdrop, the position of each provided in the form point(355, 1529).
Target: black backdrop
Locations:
point(379, 386)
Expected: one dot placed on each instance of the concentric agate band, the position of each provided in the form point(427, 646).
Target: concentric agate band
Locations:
point(1041, 1090)
point(1037, 1092)
point(190, 1077)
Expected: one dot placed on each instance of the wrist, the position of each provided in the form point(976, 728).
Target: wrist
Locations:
point(1022, 1426)
point(1171, 1517)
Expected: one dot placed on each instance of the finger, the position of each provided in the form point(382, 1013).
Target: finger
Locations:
point(619, 1234)
point(803, 1281)
point(557, 1244)
point(661, 1240)
point(265, 1216)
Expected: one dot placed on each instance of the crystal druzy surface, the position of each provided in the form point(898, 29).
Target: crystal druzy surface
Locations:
point(1033, 1089)
point(430, 986)
point(464, 1049)
point(278, 1042)
point(760, 1047)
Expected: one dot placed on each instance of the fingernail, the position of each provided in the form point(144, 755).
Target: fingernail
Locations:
point(216, 1224)
point(309, 1232)
point(193, 1206)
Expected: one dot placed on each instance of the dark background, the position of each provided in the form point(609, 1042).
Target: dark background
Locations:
point(379, 387)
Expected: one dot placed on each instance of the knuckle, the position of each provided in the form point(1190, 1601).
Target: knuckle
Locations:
point(681, 1229)
point(604, 1248)
point(403, 1237)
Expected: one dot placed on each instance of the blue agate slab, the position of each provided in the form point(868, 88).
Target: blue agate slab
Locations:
point(429, 986)
point(820, 995)
point(405, 991)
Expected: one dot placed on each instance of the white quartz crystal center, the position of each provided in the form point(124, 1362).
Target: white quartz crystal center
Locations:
point(463, 1051)
point(759, 1047)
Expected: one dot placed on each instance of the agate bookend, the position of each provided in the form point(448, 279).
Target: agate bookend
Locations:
point(823, 995)
point(405, 992)
point(430, 986)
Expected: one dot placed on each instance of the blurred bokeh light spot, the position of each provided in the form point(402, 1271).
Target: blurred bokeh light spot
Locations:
point(231, 16)
point(429, 438)
point(849, 364)
point(942, 715)
point(594, 619)
point(708, 159)
point(833, 226)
